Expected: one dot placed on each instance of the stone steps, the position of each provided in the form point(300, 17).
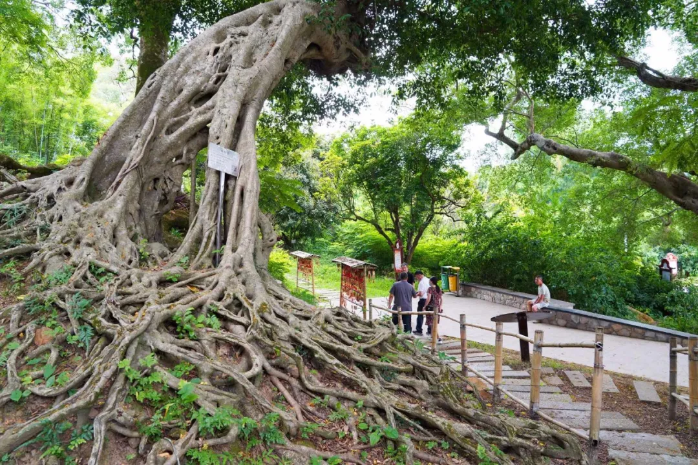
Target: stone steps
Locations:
point(580, 419)
point(646, 392)
point(621, 457)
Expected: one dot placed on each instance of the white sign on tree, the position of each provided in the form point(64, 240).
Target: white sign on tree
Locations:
point(222, 159)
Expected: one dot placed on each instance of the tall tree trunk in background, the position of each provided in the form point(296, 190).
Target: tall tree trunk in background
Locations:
point(154, 46)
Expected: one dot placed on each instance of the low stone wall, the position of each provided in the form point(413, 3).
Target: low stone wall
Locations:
point(567, 316)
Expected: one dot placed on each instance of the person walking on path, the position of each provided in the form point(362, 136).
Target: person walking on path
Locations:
point(422, 290)
point(543, 299)
point(403, 293)
point(433, 301)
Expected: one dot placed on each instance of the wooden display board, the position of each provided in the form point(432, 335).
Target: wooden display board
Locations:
point(352, 290)
point(305, 266)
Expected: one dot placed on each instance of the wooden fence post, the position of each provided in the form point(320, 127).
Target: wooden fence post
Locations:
point(693, 383)
point(498, 342)
point(536, 361)
point(399, 321)
point(596, 399)
point(434, 330)
point(463, 346)
point(370, 309)
point(672, 378)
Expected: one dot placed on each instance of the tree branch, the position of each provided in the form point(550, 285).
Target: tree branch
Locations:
point(655, 78)
point(35, 171)
point(676, 187)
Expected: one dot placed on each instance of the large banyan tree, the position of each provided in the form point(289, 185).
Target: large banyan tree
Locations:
point(186, 357)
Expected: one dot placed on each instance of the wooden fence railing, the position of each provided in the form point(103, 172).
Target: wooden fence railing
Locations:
point(691, 400)
point(536, 360)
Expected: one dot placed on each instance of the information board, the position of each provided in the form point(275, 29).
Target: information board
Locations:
point(397, 257)
point(353, 287)
point(222, 159)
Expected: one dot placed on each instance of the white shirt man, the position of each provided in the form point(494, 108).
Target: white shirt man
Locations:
point(422, 290)
point(543, 299)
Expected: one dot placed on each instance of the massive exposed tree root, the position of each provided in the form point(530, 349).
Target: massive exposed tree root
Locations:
point(167, 343)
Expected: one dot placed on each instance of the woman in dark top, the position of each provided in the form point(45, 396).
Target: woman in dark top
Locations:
point(433, 301)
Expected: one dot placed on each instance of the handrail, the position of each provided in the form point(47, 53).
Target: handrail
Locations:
point(538, 344)
point(582, 345)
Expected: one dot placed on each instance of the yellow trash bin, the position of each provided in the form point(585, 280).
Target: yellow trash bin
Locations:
point(453, 282)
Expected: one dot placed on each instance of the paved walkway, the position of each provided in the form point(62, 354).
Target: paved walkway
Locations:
point(636, 357)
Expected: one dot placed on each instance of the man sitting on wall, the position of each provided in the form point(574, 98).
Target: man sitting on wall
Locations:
point(543, 299)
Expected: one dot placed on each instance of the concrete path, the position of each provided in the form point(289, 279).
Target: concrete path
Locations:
point(636, 357)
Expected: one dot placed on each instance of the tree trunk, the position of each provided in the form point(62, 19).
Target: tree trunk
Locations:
point(241, 331)
point(153, 46)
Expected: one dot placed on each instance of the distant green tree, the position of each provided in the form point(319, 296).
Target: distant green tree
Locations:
point(399, 178)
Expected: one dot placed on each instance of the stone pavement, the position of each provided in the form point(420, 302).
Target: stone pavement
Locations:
point(635, 357)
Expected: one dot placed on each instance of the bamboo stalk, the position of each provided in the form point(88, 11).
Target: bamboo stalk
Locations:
point(399, 320)
point(536, 359)
point(584, 345)
point(498, 343)
point(434, 330)
point(463, 346)
point(693, 383)
point(672, 378)
point(370, 309)
point(518, 336)
point(596, 399)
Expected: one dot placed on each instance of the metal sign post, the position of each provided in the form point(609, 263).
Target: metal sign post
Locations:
point(226, 162)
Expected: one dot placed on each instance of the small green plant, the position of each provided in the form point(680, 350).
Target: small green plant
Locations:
point(187, 323)
point(182, 369)
point(77, 305)
point(307, 429)
point(19, 394)
point(183, 262)
point(16, 278)
point(176, 233)
point(339, 414)
point(170, 276)
point(484, 458)
point(321, 402)
point(269, 433)
point(14, 214)
point(143, 253)
point(83, 337)
point(60, 277)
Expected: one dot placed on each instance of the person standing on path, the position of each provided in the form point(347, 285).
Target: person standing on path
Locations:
point(433, 301)
point(410, 276)
point(543, 299)
point(403, 293)
point(422, 290)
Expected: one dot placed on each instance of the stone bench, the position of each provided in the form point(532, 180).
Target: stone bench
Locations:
point(566, 315)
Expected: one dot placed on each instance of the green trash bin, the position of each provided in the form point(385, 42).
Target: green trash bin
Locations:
point(444, 278)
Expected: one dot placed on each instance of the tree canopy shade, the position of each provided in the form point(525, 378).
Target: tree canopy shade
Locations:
point(400, 178)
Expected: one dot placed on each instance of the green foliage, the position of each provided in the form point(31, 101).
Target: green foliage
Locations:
point(280, 264)
point(220, 421)
point(77, 305)
point(188, 323)
point(10, 270)
point(59, 277)
point(82, 337)
point(398, 179)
